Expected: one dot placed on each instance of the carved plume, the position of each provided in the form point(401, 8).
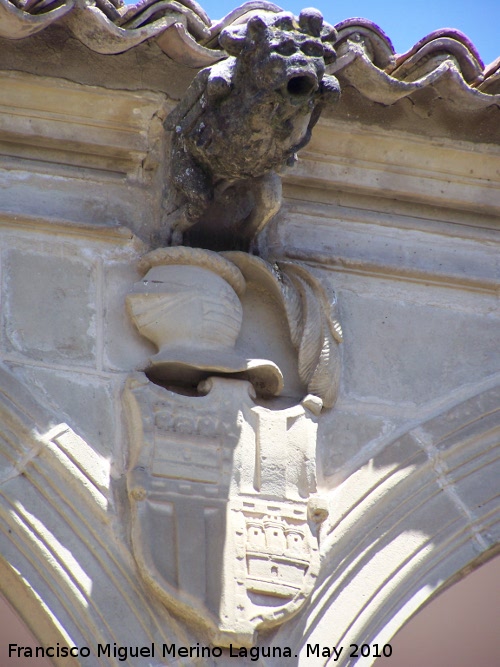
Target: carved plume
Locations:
point(312, 318)
point(315, 330)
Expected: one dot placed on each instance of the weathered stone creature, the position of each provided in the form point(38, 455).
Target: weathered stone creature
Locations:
point(245, 117)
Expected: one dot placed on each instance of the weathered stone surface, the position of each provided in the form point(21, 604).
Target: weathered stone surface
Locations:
point(106, 150)
point(245, 118)
point(241, 476)
point(410, 517)
point(388, 342)
point(57, 507)
point(394, 207)
point(343, 432)
point(86, 402)
point(124, 348)
point(479, 411)
point(49, 309)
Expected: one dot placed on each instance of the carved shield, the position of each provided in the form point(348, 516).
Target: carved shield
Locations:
point(219, 489)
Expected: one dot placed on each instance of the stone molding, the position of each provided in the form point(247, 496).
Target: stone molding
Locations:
point(86, 127)
point(454, 174)
point(98, 152)
point(373, 243)
point(65, 548)
point(405, 525)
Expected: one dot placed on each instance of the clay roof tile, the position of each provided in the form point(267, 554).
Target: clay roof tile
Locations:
point(186, 34)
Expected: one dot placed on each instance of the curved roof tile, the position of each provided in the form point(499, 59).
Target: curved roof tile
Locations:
point(377, 45)
point(445, 59)
point(16, 23)
point(491, 82)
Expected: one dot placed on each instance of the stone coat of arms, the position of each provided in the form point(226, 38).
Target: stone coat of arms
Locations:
point(219, 489)
point(222, 482)
point(222, 475)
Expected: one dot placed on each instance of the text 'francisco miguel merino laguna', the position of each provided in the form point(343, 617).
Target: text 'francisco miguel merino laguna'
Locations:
point(123, 653)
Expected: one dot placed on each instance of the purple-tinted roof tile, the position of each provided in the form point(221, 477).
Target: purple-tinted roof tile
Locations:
point(185, 33)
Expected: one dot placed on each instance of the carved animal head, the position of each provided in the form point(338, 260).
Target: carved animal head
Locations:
point(277, 52)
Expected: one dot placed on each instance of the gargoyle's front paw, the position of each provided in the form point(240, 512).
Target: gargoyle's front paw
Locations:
point(329, 89)
point(218, 87)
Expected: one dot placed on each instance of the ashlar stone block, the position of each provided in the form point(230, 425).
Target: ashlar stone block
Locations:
point(342, 434)
point(85, 402)
point(399, 351)
point(49, 312)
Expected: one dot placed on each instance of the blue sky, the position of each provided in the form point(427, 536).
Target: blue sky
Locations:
point(404, 21)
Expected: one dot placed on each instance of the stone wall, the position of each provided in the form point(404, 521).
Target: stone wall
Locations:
point(403, 228)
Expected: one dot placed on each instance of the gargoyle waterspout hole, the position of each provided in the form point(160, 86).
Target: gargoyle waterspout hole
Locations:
point(301, 85)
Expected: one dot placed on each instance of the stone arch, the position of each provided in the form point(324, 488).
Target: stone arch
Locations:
point(65, 567)
point(31, 610)
point(415, 518)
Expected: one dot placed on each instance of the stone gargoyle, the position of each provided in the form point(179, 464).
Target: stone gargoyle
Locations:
point(242, 120)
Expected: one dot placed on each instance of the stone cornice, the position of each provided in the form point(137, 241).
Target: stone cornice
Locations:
point(98, 152)
point(398, 165)
point(364, 243)
point(64, 123)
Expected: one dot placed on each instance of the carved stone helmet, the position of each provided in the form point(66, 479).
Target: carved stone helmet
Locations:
point(188, 305)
